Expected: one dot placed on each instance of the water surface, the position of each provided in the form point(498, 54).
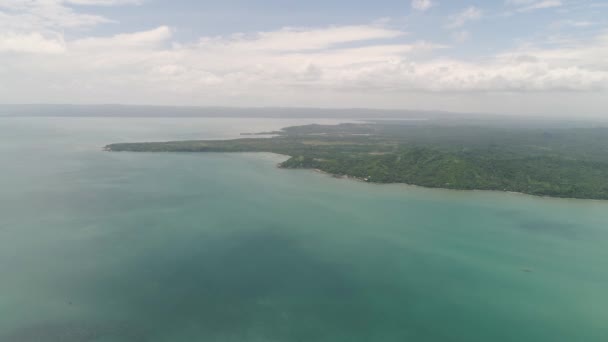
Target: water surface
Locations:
point(98, 246)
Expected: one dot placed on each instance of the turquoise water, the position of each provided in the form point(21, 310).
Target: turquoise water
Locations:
point(98, 246)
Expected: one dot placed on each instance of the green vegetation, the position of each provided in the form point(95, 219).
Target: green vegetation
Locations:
point(558, 162)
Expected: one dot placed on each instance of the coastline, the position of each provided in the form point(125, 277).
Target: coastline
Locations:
point(362, 180)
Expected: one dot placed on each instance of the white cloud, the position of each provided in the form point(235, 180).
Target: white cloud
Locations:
point(572, 24)
point(270, 63)
point(532, 5)
point(24, 4)
point(39, 15)
point(469, 14)
point(541, 5)
point(103, 2)
point(151, 38)
point(519, 2)
point(36, 26)
point(422, 5)
point(31, 43)
point(298, 39)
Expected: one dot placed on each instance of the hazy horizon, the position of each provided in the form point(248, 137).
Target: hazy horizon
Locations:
point(188, 111)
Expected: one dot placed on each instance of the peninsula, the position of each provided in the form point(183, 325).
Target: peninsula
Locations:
point(557, 162)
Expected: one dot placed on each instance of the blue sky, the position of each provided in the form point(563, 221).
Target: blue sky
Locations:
point(494, 31)
point(546, 57)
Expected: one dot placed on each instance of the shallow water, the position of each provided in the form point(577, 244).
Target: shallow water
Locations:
point(98, 246)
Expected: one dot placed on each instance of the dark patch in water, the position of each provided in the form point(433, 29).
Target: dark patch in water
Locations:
point(565, 230)
point(257, 264)
point(75, 332)
point(260, 283)
point(539, 226)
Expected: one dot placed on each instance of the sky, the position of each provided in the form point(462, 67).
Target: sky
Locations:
point(520, 57)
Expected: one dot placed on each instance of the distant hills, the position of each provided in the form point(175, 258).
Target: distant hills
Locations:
point(112, 110)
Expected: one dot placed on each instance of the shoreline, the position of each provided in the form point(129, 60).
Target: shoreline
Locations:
point(362, 180)
point(107, 148)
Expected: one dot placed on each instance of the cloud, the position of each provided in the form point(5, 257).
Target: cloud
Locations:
point(299, 39)
point(541, 5)
point(287, 60)
point(532, 5)
point(340, 65)
point(24, 4)
point(422, 5)
point(460, 19)
point(39, 15)
point(572, 24)
point(103, 2)
point(461, 36)
point(142, 39)
point(30, 43)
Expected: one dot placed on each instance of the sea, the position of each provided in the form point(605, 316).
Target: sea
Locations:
point(102, 246)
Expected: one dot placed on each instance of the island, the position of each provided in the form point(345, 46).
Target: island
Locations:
point(560, 161)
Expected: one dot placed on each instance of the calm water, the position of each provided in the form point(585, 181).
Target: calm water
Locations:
point(98, 246)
